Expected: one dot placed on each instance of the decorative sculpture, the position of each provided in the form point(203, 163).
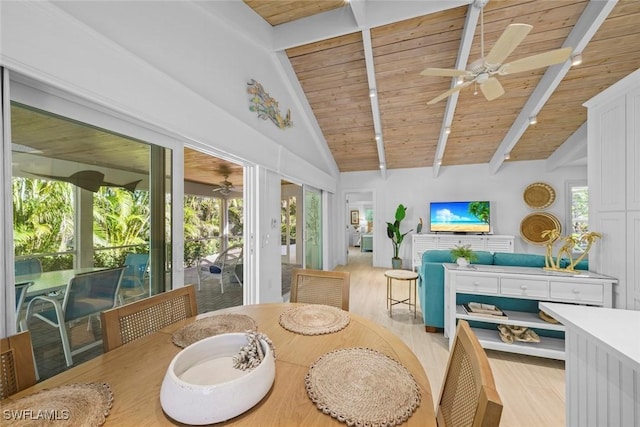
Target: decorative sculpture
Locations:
point(566, 250)
point(266, 106)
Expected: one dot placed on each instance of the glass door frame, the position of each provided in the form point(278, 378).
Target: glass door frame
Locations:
point(44, 97)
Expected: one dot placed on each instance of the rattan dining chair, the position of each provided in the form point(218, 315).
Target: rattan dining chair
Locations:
point(129, 322)
point(320, 287)
point(469, 396)
point(17, 368)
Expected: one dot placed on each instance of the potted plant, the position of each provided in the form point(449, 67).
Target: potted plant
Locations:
point(463, 255)
point(393, 232)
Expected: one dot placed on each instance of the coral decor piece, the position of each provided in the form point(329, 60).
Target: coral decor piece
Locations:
point(566, 249)
point(266, 106)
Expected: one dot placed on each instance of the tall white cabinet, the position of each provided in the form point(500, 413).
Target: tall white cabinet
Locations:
point(613, 130)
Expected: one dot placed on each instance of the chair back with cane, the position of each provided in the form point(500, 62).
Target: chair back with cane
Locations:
point(469, 396)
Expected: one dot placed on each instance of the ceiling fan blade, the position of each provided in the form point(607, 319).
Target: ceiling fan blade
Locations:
point(449, 92)
point(537, 61)
point(492, 89)
point(443, 72)
point(508, 41)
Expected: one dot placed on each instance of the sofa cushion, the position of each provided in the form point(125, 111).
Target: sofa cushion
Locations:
point(436, 256)
point(484, 257)
point(520, 260)
point(444, 255)
point(582, 265)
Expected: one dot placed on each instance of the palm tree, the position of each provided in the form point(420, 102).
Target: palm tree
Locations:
point(480, 210)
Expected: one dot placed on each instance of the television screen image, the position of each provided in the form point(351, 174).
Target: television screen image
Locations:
point(460, 217)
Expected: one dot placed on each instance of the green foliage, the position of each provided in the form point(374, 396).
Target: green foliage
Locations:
point(463, 251)
point(480, 210)
point(44, 221)
point(42, 216)
point(292, 221)
point(393, 230)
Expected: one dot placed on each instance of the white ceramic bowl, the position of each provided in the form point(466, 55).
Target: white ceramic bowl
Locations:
point(201, 385)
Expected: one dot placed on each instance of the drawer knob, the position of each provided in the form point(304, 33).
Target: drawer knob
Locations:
point(476, 283)
point(523, 287)
point(576, 291)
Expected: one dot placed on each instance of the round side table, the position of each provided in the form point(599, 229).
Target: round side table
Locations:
point(405, 276)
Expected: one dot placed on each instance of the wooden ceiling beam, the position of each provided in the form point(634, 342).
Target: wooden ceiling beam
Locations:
point(593, 16)
point(466, 41)
point(373, 95)
point(361, 15)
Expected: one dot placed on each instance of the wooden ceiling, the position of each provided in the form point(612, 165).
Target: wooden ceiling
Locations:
point(58, 139)
point(337, 80)
point(338, 71)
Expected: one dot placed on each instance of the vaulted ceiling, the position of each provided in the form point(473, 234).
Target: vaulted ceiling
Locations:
point(340, 53)
point(343, 52)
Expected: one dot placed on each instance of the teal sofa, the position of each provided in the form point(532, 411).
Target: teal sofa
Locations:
point(431, 283)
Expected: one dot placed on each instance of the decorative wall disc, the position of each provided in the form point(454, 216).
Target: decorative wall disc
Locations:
point(533, 225)
point(539, 195)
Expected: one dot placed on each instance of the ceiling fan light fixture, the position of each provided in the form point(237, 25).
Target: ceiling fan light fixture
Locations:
point(576, 59)
point(533, 120)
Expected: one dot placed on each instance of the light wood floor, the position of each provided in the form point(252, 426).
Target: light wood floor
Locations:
point(531, 388)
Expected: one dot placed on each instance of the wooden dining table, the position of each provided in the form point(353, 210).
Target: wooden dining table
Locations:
point(135, 372)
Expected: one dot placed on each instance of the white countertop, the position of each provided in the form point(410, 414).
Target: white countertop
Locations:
point(618, 330)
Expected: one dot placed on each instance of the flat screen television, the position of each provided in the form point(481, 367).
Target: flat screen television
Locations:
point(460, 217)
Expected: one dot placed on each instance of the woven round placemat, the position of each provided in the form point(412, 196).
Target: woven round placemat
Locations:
point(213, 325)
point(85, 404)
point(532, 226)
point(361, 386)
point(539, 195)
point(314, 319)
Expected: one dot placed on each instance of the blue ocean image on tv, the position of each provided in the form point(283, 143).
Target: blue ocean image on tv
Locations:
point(463, 217)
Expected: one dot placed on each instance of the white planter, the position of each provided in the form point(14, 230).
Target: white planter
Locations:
point(462, 262)
point(201, 385)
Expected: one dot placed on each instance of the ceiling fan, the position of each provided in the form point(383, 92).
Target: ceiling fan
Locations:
point(482, 72)
point(226, 187)
point(89, 180)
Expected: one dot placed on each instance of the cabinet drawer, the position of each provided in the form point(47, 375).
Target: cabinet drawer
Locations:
point(476, 284)
point(527, 288)
point(578, 292)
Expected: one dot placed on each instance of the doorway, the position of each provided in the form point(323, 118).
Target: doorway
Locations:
point(360, 227)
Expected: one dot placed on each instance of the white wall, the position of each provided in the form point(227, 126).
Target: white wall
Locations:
point(415, 188)
point(170, 64)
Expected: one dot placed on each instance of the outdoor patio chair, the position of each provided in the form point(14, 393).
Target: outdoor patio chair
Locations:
point(21, 294)
point(85, 295)
point(224, 268)
point(132, 286)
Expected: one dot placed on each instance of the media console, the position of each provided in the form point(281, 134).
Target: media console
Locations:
point(527, 283)
point(484, 242)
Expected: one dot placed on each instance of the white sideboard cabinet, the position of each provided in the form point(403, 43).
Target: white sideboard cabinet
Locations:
point(488, 242)
point(529, 283)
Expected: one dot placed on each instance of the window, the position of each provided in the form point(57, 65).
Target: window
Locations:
point(578, 211)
